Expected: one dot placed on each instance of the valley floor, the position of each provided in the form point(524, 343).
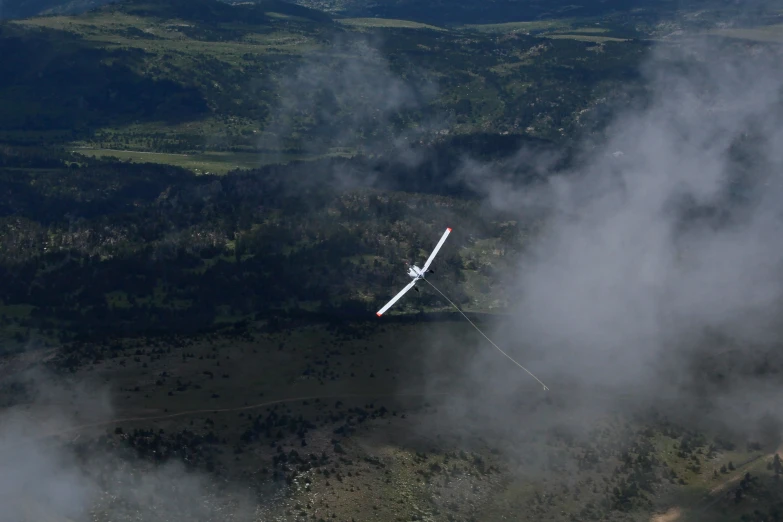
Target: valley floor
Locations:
point(378, 423)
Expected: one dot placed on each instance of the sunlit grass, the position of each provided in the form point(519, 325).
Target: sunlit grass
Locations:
point(589, 30)
point(165, 36)
point(583, 38)
point(201, 163)
point(388, 22)
point(522, 27)
point(769, 33)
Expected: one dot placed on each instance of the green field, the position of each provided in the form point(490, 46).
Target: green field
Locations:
point(583, 38)
point(387, 22)
point(767, 34)
point(162, 36)
point(524, 27)
point(200, 163)
point(563, 29)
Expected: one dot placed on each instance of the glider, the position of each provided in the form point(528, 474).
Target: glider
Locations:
point(416, 274)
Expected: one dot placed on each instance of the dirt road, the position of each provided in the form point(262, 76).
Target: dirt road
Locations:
point(142, 418)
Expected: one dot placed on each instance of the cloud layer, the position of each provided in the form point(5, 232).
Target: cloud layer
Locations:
point(54, 470)
point(665, 233)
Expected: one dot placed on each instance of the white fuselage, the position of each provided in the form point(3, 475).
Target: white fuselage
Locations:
point(415, 272)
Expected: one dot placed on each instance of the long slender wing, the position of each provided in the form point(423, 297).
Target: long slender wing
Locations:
point(395, 298)
point(437, 247)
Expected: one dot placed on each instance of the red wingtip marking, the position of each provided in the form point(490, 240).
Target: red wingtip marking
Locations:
point(448, 229)
point(378, 314)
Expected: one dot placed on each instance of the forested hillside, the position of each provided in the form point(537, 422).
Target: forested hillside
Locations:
point(203, 75)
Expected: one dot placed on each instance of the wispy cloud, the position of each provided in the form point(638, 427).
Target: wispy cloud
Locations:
point(662, 234)
point(346, 95)
point(55, 470)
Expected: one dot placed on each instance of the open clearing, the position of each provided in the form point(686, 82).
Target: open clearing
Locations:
point(767, 34)
point(202, 163)
point(388, 22)
point(583, 38)
point(523, 27)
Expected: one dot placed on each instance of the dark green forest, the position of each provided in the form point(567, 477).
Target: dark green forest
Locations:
point(94, 245)
point(385, 116)
point(97, 247)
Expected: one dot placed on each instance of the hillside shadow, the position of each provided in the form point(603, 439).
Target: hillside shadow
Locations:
point(52, 80)
point(49, 195)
